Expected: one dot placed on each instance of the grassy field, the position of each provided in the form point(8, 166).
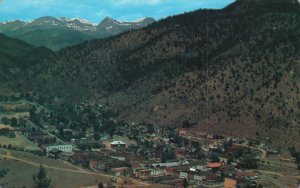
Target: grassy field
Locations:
point(4, 90)
point(43, 160)
point(17, 109)
point(20, 105)
point(2, 126)
point(20, 174)
point(278, 172)
point(273, 163)
point(19, 141)
point(15, 115)
point(21, 166)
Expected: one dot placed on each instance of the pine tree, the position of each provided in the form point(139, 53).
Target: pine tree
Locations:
point(100, 185)
point(185, 183)
point(40, 179)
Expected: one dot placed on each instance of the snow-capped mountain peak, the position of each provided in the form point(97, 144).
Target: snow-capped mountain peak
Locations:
point(83, 21)
point(72, 23)
point(13, 22)
point(113, 26)
point(108, 26)
point(140, 20)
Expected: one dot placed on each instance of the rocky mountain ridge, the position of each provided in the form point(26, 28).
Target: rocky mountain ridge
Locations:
point(56, 33)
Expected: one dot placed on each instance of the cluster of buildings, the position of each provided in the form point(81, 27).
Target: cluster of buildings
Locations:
point(209, 162)
point(163, 155)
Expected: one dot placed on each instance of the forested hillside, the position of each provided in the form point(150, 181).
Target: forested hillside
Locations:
point(16, 56)
point(232, 71)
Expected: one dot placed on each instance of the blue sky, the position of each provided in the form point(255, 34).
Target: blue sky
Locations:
point(96, 10)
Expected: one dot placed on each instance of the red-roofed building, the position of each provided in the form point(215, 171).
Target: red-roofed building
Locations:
point(214, 165)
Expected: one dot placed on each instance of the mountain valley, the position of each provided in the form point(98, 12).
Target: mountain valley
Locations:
point(224, 71)
point(208, 98)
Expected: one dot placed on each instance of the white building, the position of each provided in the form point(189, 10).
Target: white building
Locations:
point(116, 144)
point(183, 175)
point(63, 148)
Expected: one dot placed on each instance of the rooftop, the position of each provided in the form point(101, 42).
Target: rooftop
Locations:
point(172, 164)
point(214, 165)
point(117, 142)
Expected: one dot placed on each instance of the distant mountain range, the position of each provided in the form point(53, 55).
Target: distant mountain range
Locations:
point(56, 33)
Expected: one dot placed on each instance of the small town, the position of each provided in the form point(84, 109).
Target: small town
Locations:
point(171, 156)
point(150, 94)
